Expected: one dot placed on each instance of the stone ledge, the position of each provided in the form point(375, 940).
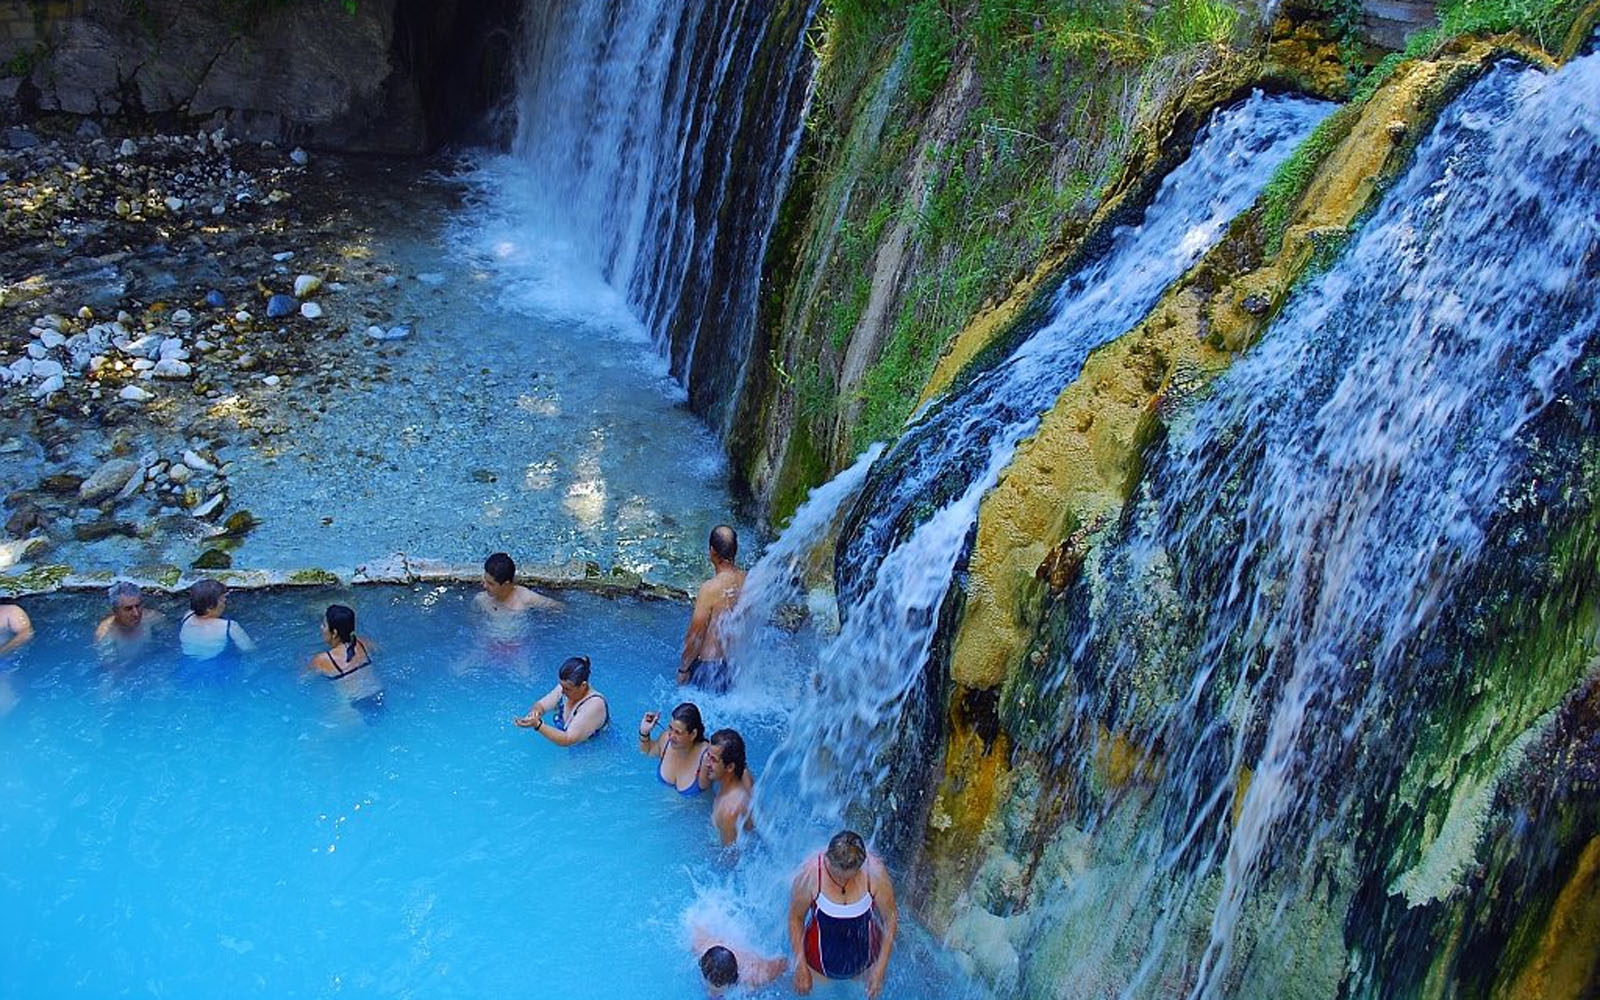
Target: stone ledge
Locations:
point(397, 568)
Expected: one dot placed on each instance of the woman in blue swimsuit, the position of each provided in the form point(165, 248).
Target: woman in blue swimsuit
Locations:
point(579, 710)
point(842, 916)
point(681, 746)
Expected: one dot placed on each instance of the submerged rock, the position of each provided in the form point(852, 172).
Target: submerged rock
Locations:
point(213, 559)
point(215, 299)
point(107, 480)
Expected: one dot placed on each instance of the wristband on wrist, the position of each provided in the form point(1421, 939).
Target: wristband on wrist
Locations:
point(538, 723)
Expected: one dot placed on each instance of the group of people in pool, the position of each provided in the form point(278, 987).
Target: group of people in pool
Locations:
point(842, 916)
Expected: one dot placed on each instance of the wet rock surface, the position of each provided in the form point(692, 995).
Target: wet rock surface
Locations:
point(170, 302)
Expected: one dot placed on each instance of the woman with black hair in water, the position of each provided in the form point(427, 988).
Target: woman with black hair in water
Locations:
point(348, 662)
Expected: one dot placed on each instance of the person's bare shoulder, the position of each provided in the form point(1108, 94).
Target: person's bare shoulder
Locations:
point(532, 600)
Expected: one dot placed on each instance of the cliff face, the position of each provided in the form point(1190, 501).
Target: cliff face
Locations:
point(391, 76)
point(948, 181)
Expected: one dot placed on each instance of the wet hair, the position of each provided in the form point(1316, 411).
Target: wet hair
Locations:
point(575, 670)
point(730, 748)
point(725, 542)
point(205, 595)
point(500, 568)
point(720, 966)
point(342, 623)
point(121, 589)
point(846, 851)
point(688, 713)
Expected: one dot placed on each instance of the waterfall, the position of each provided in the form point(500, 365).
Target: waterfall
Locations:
point(865, 712)
point(656, 137)
point(1259, 628)
point(938, 456)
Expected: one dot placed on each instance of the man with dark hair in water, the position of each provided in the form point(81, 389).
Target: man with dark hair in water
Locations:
point(703, 662)
point(724, 966)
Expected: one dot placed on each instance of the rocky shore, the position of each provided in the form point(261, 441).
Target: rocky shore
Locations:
point(166, 301)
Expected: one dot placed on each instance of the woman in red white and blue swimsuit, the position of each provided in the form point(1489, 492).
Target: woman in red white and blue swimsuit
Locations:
point(842, 916)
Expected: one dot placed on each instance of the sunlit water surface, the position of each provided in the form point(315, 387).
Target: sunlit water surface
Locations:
point(253, 836)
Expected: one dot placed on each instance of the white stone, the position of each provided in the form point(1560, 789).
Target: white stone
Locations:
point(194, 460)
point(145, 347)
point(109, 479)
point(173, 204)
point(310, 310)
point(180, 473)
point(143, 365)
point(47, 368)
point(97, 362)
point(212, 506)
point(54, 321)
point(135, 394)
point(204, 346)
point(124, 318)
point(171, 368)
point(21, 368)
point(272, 380)
point(431, 278)
point(128, 147)
point(182, 317)
point(377, 332)
point(241, 317)
point(305, 284)
point(37, 351)
point(52, 338)
point(52, 384)
point(172, 347)
point(283, 255)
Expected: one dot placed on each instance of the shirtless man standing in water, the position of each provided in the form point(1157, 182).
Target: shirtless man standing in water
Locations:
point(703, 662)
point(504, 601)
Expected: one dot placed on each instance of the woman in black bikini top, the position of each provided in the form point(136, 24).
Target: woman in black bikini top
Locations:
point(348, 661)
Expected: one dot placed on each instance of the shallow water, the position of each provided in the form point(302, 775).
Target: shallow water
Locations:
point(526, 413)
point(253, 836)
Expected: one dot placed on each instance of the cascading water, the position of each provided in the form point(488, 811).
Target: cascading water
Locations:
point(654, 139)
point(939, 456)
point(835, 764)
point(1258, 631)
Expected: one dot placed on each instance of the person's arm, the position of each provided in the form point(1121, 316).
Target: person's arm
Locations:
point(240, 637)
point(889, 914)
point(538, 708)
point(540, 602)
point(21, 629)
point(584, 724)
point(104, 628)
point(699, 621)
point(758, 970)
point(800, 897)
point(649, 744)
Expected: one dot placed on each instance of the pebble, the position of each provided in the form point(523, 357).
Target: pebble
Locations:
point(215, 299)
point(272, 380)
point(128, 147)
point(173, 204)
point(37, 351)
point(281, 305)
point(52, 384)
point(179, 473)
point(52, 338)
point(305, 284)
point(172, 347)
point(310, 310)
point(135, 394)
point(300, 156)
point(194, 460)
point(241, 317)
point(171, 368)
point(182, 317)
point(283, 255)
point(47, 368)
point(143, 365)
